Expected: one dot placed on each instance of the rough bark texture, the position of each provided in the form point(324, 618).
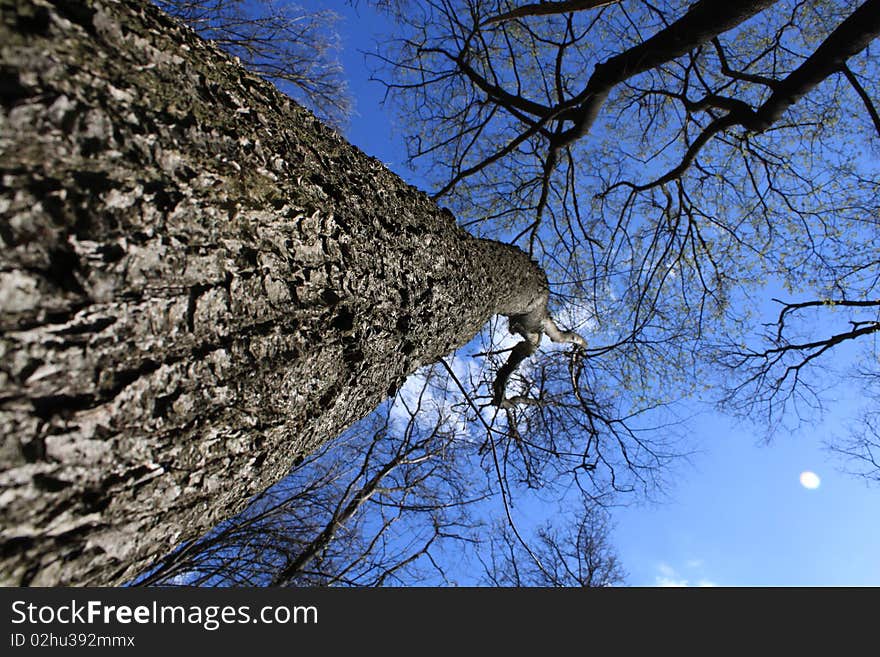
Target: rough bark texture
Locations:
point(199, 282)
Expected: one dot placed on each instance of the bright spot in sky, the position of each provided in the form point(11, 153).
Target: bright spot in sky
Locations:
point(810, 480)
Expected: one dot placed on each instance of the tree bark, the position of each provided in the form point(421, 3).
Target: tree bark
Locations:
point(199, 282)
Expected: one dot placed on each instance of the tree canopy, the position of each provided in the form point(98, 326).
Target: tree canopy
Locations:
point(698, 180)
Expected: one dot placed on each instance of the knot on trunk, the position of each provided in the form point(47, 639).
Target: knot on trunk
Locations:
point(530, 326)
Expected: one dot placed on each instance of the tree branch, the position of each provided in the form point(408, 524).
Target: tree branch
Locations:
point(849, 38)
point(866, 99)
point(548, 8)
point(706, 19)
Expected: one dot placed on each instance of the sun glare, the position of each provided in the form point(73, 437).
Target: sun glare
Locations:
point(810, 480)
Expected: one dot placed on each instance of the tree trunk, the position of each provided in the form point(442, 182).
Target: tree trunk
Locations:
point(199, 282)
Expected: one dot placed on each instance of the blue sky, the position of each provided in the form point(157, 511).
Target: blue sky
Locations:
point(736, 514)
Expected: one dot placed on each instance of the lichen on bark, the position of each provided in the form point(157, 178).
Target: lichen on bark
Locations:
point(199, 282)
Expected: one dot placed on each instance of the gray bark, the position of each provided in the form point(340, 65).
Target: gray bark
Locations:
point(199, 282)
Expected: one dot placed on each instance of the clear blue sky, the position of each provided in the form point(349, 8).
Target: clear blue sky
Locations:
point(736, 514)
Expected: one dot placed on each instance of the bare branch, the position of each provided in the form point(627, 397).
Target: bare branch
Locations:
point(866, 99)
point(548, 8)
point(850, 38)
